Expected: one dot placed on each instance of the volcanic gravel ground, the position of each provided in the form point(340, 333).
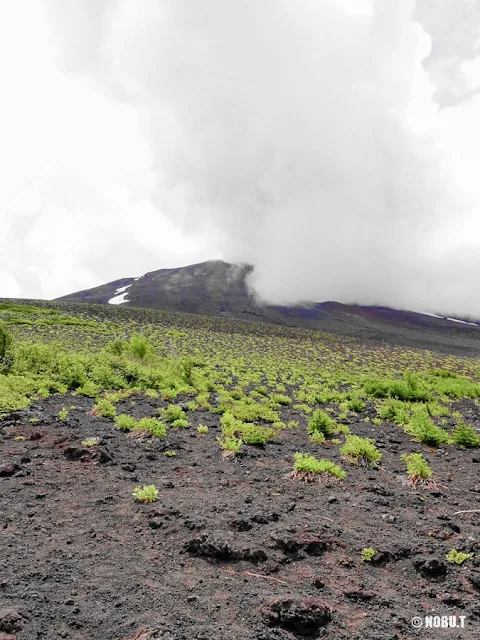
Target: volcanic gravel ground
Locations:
point(233, 548)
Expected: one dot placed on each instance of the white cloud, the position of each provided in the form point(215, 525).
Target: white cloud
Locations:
point(301, 136)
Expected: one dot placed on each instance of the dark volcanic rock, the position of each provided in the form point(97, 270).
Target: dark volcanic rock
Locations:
point(303, 617)
point(431, 568)
point(10, 621)
point(7, 469)
point(222, 550)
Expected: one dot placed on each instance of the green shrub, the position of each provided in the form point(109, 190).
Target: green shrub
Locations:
point(125, 422)
point(202, 428)
point(410, 388)
point(252, 434)
point(230, 444)
point(356, 404)
point(308, 467)
point(104, 408)
point(180, 423)
point(395, 411)
point(6, 349)
point(367, 554)
point(465, 436)
point(418, 470)
point(173, 412)
point(321, 422)
point(152, 426)
point(140, 347)
point(147, 493)
point(361, 450)
point(458, 557)
point(423, 429)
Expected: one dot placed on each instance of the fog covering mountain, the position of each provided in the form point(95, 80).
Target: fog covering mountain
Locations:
point(220, 289)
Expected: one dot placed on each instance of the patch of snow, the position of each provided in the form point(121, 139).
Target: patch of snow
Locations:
point(122, 289)
point(120, 295)
point(433, 315)
point(474, 324)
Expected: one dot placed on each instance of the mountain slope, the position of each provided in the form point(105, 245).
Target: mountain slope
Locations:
point(216, 288)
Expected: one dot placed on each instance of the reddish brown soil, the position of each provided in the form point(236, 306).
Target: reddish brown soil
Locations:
point(232, 549)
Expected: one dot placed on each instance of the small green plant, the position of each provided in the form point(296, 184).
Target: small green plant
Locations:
point(6, 349)
point(169, 453)
point(418, 470)
point(317, 437)
point(202, 428)
point(422, 429)
point(104, 408)
point(251, 434)
point(147, 493)
point(90, 442)
point(140, 347)
point(173, 412)
point(310, 469)
point(152, 426)
point(465, 436)
point(367, 554)
point(230, 445)
point(19, 438)
point(125, 422)
point(34, 420)
point(458, 557)
point(321, 422)
point(361, 451)
point(181, 423)
point(63, 414)
point(356, 404)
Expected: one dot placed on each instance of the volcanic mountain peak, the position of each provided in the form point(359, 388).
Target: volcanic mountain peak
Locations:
point(218, 288)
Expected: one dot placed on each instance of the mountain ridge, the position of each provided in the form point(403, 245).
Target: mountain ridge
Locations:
point(220, 289)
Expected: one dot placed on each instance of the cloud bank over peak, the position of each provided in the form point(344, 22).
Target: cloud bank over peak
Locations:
point(303, 137)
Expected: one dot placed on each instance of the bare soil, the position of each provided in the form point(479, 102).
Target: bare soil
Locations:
point(233, 548)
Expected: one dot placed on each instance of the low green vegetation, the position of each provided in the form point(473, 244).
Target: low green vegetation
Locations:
point(262, 386)
point(147, 493)
point(418, 470)
point(465, 436)
point(367, 554)
point(361, 451)
point(458, 557)
point(321, 424)
point(307, 467)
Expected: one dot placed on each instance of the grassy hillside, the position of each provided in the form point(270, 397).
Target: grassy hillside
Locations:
point(297, 482)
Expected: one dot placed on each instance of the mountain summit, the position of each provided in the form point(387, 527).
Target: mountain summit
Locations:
point(217, 288)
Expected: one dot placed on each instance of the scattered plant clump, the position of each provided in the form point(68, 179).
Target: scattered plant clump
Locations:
point(418, 470)
point(125, 422)
point(202, 428)
point(422, 428)
point(147, 493)
point(310, 469)
point(465, 436)
point(104, 408)
point(361, 451)
point(367, 554)
point(322, 423)
point(230, 445)
point(458, 557)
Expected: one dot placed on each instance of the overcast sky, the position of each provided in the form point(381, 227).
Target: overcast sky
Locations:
point(333, 144)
